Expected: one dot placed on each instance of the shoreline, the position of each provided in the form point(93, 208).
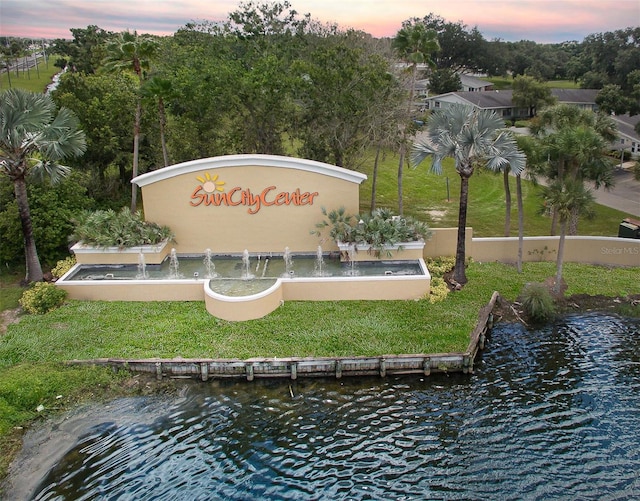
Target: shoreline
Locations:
point(43, 443)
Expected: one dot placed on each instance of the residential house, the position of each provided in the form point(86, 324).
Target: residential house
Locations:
point(501, 101)
point(471, 83)
point(628, 138)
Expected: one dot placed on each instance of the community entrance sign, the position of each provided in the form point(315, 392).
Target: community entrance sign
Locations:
point(262, 203)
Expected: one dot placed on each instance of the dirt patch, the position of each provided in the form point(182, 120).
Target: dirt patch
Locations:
point(8, 317)
point(436, 215)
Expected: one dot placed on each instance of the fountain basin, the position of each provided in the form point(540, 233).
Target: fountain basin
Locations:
point(233, 305)
point(235, 295)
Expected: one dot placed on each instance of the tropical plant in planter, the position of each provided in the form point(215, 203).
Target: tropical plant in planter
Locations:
point(380, 231)
point(108, 228)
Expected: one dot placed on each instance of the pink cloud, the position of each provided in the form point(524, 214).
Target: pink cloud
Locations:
point(540, 20)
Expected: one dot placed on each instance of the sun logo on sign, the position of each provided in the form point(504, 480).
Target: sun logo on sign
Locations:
point(211, 184)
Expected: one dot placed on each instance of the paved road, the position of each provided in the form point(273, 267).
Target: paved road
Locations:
point(624, 196)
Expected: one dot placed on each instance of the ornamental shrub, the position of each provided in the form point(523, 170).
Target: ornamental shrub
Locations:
point(42, 298)
point(378, 229)
point(439, 290)
point(108, 228)
point(537, 302)
point(63, 266)
point(438, 266)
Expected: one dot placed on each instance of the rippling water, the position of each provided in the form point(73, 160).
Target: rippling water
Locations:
point(549, 414)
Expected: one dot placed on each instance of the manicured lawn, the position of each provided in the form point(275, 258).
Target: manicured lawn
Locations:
point(435, 199)
point(85, 330)
point(34, 81)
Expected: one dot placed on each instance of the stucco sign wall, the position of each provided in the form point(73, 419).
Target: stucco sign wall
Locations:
point(262, 203)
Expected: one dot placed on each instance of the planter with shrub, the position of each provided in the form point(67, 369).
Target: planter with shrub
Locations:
point(379, 235)
point(110, 237)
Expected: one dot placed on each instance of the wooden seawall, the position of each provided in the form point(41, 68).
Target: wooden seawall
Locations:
point(294, 367)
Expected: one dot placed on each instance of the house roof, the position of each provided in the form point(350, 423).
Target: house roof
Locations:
point(474, 82)
point(488, 99)
point(626, 125)
point(575, 96)
point(503, 98)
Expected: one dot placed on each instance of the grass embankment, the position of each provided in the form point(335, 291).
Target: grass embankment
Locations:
point(34, 80)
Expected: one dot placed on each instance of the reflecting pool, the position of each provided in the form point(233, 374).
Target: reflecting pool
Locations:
point(548, 414)
point(245, 268)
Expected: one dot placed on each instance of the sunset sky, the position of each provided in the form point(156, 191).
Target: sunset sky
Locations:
point(543, 21)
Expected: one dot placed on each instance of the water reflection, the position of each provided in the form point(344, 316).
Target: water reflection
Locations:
point(548, 414)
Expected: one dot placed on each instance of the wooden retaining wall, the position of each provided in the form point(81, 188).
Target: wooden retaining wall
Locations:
point(293, 368)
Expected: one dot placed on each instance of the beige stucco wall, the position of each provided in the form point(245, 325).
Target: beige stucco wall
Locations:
point(134, 290)
point(443, 242)
point(407, 251)
point(612, 251)
point(244, 307)
point(605, 251)
point(171, 197)
point(152, 254)
point(360, 288)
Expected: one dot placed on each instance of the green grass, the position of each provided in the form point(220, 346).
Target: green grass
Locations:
point(34, 81)
point(32, 352)
point(10, 289)
point(427, 198)
point(501, 83)
point(97, 329)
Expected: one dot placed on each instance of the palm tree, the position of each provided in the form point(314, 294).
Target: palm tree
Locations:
point(414, 44)
point(473, 138)
point(566, 197)
point(576, 141)
point(535, 165)
point(161, 90)
point(132, 52)
point(34, 137)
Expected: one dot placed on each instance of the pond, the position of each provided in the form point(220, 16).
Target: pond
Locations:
point(549, 413)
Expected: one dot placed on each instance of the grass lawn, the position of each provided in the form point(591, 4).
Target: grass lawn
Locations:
point(96, 329)
point(500, 83)
point(435, 199)
point(33, 80)
point(33, 375)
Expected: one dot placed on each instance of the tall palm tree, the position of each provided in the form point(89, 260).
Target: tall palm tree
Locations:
point(34, 137)
point(536, 161)
point(473, 138)
point(161, 90)
point(414, 43)
point(565, 196)
point(132, 52)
